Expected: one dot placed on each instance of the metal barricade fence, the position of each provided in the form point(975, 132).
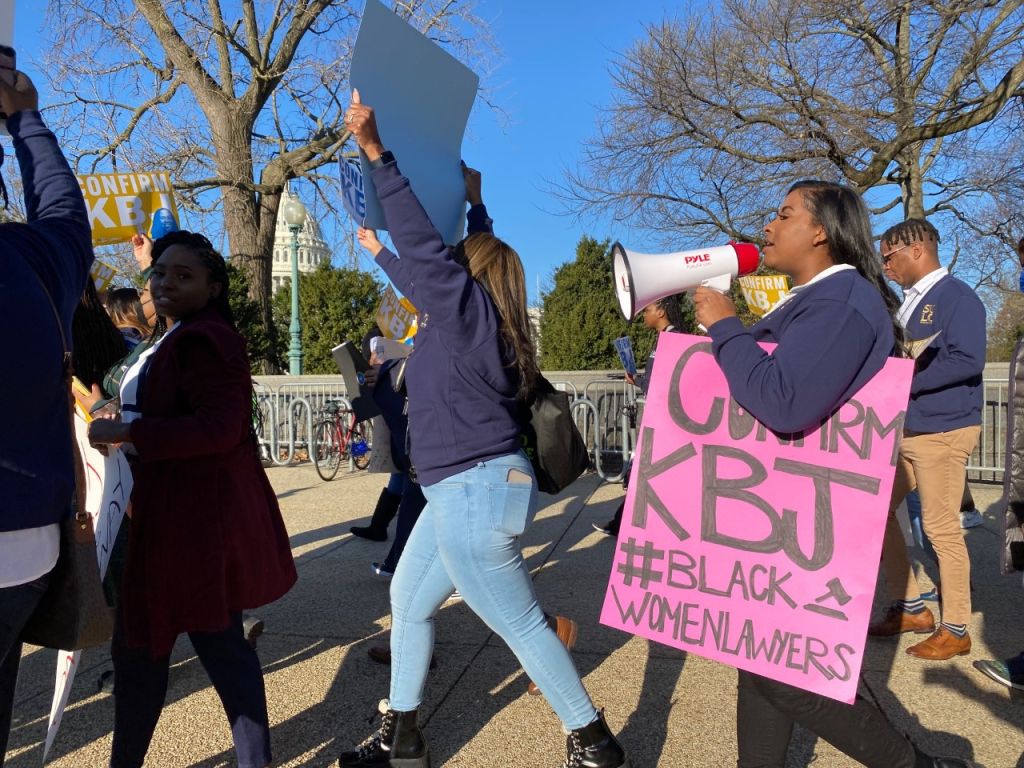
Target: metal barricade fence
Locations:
point(608, 414)
point(285, 416)
point(989, 458)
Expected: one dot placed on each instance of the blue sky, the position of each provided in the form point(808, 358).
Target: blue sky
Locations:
point(552, 82)
point(551, 78)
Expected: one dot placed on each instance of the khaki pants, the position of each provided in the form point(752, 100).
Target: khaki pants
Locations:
point(934, 464)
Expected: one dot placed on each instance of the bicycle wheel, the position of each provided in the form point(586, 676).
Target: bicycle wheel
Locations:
point(360, 446)
point(325, 451)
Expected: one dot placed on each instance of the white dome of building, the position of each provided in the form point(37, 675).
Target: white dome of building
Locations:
point(313, 249)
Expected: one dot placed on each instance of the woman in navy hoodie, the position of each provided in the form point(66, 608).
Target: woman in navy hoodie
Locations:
point(473, 366)
point(834, 332)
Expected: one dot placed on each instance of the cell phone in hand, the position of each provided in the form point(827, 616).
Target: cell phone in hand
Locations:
point(8, 66)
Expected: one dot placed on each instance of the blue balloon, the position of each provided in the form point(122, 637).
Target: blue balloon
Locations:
point(163, 222)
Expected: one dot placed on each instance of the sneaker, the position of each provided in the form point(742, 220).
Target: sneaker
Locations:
point(1008, 672)
point(252, 628)
point(932, 595)
point(106, 682)
point(608, 529)
point(971, 519)
point(382, 570)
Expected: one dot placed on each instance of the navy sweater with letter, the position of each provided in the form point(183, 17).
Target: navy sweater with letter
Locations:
point(460, 378)
point(53, 249)
point(833, 337)
point(946, 392)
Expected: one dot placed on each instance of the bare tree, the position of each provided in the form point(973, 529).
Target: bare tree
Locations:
point(234, 106)
point(714, 113)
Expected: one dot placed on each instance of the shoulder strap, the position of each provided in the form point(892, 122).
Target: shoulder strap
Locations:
point(81, 515)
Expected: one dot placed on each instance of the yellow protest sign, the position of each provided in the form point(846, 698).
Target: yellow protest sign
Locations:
point(121, 204)
point(396, 317)
point(762, 292)
point(102, 274)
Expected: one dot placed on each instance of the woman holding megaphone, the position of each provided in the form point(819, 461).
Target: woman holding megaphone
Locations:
point(834, 332)
point(473, 368)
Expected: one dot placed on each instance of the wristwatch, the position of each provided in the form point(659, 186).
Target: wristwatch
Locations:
point(385, 157)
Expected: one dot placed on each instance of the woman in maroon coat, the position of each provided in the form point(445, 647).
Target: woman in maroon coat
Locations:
point(207, 539)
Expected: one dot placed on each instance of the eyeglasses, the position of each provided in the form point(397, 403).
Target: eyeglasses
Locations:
point(887, 257)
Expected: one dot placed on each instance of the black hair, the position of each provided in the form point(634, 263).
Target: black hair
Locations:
point(841, 212)
point(911, 231)
point(673, 311)
point(210, 259)
point(1020, 251)
point(96, 344)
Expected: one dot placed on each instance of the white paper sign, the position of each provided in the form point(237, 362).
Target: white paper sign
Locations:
point(108, 486)
point(422, 96)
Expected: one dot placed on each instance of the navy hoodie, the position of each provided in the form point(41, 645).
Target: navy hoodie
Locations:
point(461, 379)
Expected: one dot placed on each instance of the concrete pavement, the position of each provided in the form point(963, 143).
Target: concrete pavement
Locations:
point(670, 709)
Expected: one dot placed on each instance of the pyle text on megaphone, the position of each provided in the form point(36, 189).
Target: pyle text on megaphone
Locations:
point(642, 278)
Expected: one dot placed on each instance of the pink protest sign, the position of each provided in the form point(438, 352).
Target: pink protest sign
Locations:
point(755, 549)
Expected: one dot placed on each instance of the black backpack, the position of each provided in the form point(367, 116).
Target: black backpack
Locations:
point(551, 440)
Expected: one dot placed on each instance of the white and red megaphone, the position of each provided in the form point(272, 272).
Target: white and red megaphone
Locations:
point(642, 278)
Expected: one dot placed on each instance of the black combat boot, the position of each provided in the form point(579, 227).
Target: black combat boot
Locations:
point(398, 744)
point(594, 746)
point(383, 514)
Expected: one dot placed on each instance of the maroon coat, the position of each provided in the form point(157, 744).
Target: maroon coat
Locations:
point(207, 538)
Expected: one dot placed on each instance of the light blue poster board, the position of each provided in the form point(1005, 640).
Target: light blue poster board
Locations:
point(422, 96)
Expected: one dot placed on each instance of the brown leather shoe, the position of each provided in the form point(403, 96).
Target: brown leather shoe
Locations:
point(382, 655)
point(898, 621)
point(942, 645)
point(567, 631)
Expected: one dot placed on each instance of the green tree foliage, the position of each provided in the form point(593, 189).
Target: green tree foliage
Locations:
point(335, 305)
point(249, 320)
point(581, 316)
point(1007, 327)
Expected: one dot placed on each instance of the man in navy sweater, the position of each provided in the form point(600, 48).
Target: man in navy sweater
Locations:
point(45, 260)
point(941, 429)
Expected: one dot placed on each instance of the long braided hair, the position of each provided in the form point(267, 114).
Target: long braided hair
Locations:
point(841, 212)
point(210, 259)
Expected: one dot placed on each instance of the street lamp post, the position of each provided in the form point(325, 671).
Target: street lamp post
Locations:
point(294, 214)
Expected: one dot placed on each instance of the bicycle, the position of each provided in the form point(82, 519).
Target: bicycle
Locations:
point(336, 436)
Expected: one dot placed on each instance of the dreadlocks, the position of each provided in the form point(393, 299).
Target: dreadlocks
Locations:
point(210, 258)
point(911, 231)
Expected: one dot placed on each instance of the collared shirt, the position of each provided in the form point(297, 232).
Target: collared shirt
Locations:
point(835, 268)
point(912, 296)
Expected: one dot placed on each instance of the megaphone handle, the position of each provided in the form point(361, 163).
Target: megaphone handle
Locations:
point(720, 283)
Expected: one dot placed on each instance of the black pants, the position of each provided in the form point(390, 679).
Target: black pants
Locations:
point(409, 509)
point(16, 606)
point(140, 687)
point(766, 711)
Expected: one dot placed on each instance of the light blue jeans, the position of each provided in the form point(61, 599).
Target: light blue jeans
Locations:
point(467, 538)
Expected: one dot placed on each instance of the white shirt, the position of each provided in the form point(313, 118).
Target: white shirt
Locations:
point(834, 269)
point(912, 296)
point(27, 554)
